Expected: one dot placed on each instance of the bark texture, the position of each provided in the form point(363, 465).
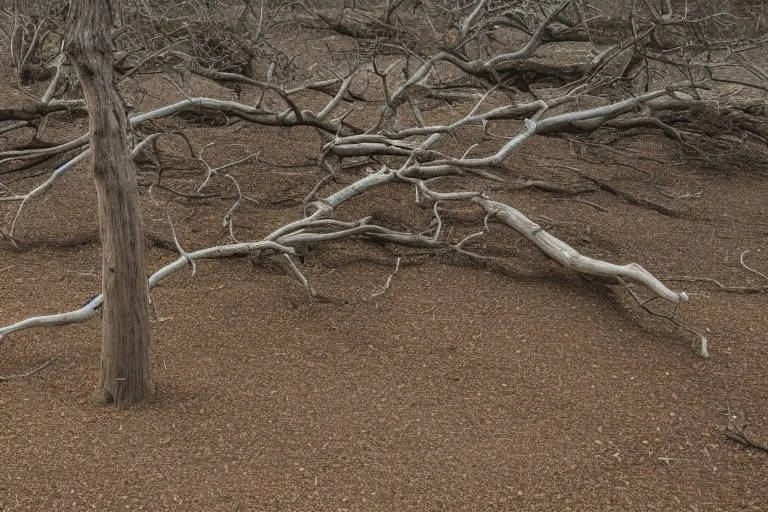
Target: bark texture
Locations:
point(124, 376)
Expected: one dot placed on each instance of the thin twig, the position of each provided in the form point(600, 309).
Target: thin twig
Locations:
point(741, 260)
point(312, 195)
point(229, 218)
point(389, 280)
point(587, 202)
point(5, 378)
point(294, 270)
point(184, 253)
point(703, 342)
point(735, 431)
point(730, 289)
point(184, 194)
point(153, 305)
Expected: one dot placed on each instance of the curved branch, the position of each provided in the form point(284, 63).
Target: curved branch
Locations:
point(569, 257)
point(90, 309)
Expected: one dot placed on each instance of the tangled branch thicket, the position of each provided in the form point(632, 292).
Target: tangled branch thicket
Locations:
point(684, 71)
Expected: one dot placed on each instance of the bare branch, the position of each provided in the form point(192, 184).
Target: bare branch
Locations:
point(572, 259)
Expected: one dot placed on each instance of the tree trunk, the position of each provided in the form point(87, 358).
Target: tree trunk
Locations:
point(124, 377)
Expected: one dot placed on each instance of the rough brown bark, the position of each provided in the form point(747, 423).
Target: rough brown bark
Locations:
point(124, 376)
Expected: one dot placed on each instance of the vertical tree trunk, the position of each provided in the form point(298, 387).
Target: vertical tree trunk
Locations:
point(124, 375)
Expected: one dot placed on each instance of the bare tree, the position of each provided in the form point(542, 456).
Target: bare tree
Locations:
point(124, 376)
point(460, 52)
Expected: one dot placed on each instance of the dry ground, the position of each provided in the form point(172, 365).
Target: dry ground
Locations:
point(462, 387)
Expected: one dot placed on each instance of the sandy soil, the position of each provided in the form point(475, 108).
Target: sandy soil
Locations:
point(464, 386)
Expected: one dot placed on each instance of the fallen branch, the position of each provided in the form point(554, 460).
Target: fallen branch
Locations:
point(412, 153)
point(91, 309)
point(568, 257)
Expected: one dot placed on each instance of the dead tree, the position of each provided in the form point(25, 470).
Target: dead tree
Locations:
point(532, 97)
point(124, 376)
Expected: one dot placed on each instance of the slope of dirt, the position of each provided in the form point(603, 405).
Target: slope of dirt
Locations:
point(464, 386)
point(460, 387)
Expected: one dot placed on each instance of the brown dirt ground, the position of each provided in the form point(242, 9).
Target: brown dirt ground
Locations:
point(463, 387)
